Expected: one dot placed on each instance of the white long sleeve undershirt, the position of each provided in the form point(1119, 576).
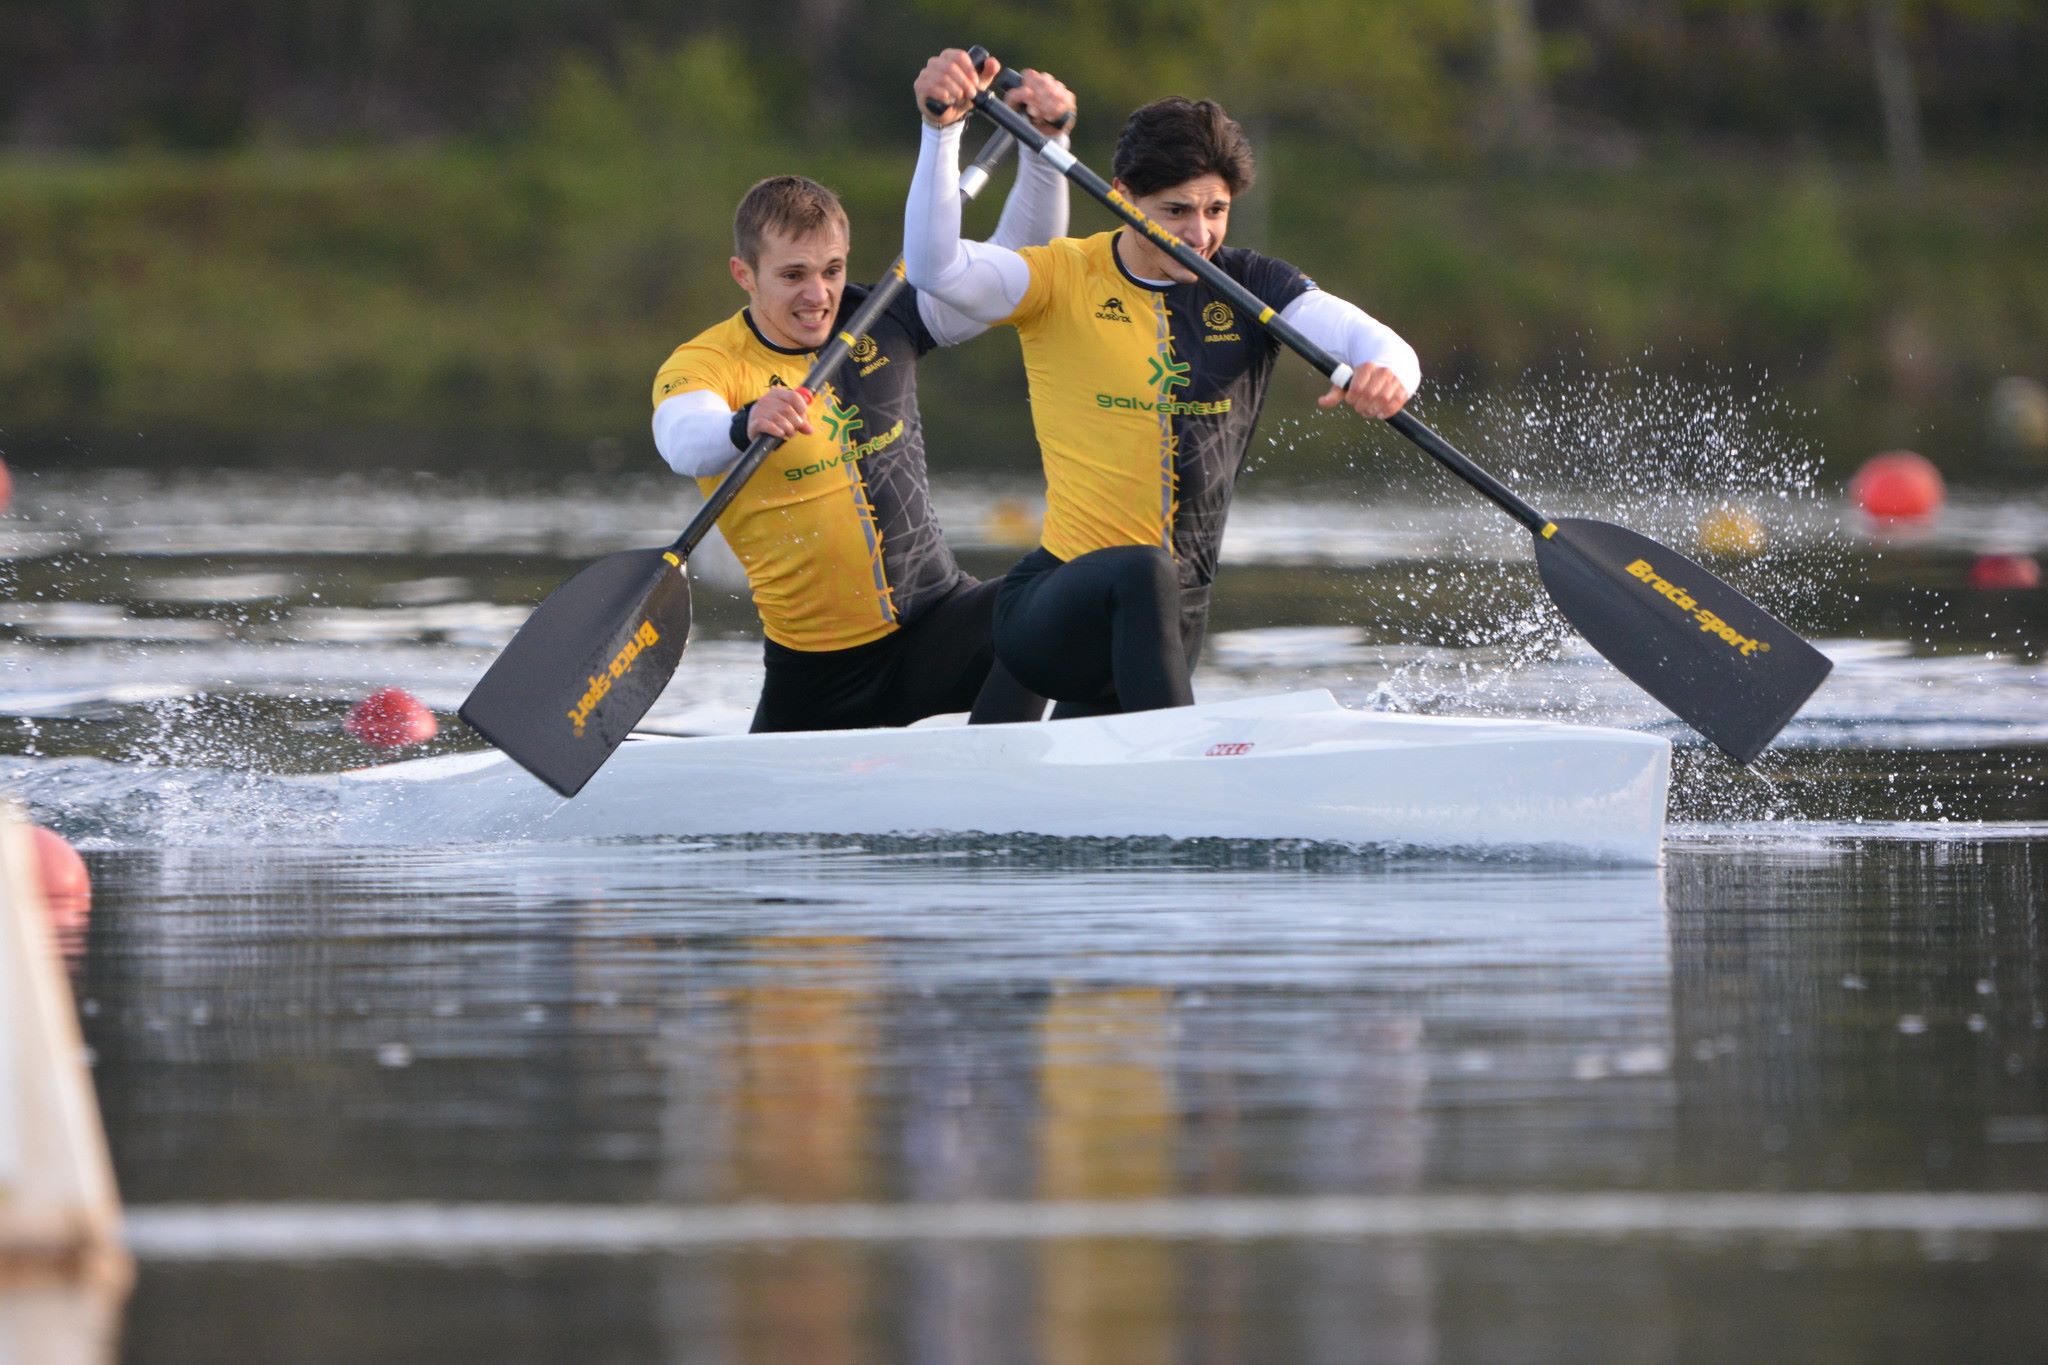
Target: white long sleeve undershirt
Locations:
point(987, 282)
point(1034, 212)
point(1354, 336)
point(984, 281)
point(693, 431)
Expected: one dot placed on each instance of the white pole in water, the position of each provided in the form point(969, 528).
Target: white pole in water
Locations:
point(63, 1269)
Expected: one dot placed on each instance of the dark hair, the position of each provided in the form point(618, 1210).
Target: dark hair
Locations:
point(791, 205)
point(1171, 141)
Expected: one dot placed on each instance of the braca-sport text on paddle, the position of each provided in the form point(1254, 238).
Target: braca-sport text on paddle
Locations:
point(1720, 662)
point(597, 653)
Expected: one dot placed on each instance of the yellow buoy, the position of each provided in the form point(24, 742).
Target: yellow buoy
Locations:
point(1010, 522)
point(1732, 530)
point(2019, 414)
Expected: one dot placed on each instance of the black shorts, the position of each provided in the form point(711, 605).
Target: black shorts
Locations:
point(1111, 630)
point(938, 663)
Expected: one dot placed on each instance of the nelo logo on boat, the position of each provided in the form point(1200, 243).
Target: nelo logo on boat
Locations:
point(1709, 622)
point(1231, 750)
point(622, 663)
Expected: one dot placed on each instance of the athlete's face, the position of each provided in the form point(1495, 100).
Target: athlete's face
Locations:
point(793, 290)
point(1196, 211)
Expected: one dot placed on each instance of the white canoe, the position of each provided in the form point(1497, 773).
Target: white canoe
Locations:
point(1296, 766)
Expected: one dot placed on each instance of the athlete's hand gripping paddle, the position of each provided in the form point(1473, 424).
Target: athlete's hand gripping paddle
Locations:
point(1720, 662)
point(596, 654)
point(1005, 81)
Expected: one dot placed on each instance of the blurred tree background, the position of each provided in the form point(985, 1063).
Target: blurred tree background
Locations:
point(489, 222)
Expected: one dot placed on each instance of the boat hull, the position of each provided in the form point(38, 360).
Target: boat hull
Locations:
point(1298, 766)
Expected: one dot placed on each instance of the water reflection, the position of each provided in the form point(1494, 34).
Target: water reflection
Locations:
point(1863, 1013)
point(840, 1022)
point(828, 1023)
point(831, 1023)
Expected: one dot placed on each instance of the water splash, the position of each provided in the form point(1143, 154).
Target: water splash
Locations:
point(206, 632)
point(1659, 453)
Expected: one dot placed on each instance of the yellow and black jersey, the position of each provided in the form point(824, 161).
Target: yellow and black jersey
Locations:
point(836, 530)
point(1144, 397)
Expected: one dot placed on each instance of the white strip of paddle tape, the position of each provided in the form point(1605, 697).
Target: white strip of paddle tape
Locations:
point(244, 1232)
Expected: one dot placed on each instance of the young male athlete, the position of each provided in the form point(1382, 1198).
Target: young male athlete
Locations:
point(869, 620)
point(1145, 387)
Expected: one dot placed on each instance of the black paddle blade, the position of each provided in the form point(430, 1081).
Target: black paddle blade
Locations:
point(1723, 664)
point(585, 667)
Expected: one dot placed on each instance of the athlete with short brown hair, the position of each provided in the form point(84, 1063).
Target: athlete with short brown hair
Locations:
point(868, 618)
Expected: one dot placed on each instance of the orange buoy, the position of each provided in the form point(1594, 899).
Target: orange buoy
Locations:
point(2005, 572)
point(65, 883)
point(1898, 485)
point(391, 717)
point(6, 488)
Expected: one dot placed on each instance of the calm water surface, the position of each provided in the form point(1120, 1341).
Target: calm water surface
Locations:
point(1042, 1101)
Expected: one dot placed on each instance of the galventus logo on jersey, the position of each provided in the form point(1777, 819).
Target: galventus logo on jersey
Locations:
point(843, 424)
point(1165, 376)
point(622, 663)
point(1709, 621)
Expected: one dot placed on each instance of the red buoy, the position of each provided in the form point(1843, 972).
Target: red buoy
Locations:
point(6, 488)
point(1898, 485)
point(65, 884)
point(2005, 572)
point(391, 717)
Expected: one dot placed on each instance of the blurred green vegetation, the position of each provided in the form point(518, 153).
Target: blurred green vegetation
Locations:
point(539, 290)
point(524, 265)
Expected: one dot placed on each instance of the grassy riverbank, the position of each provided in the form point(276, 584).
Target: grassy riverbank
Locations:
point(535, 289)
